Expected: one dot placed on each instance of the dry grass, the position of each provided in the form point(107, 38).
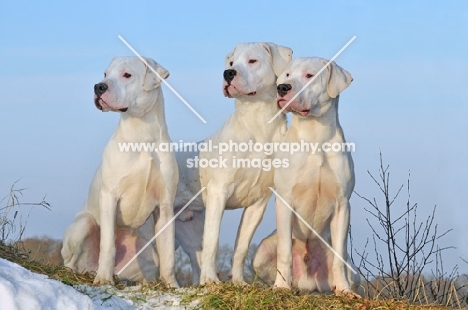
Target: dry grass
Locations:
point(16, 254)
point(220, 296)
point(259, 297)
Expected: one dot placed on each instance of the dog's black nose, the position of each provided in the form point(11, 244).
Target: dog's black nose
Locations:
point(100, 88)
point(229, 75)
point(283, 89)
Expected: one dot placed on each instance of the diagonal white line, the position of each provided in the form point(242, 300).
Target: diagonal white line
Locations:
point(161, 230)
point(163, 80)
point(313, 230)
point(311, 80)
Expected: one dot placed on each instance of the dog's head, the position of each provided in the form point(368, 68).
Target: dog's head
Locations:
point(318, 95)
point(129, 85)
point(252, 68)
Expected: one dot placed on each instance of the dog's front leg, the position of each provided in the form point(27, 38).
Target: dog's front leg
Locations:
point(284, 249)
point(165, 242)
point(107, 213)
point(251, 218)
point(339, 233)
point(215, 204)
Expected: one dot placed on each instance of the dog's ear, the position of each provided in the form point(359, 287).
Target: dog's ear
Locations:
point(281, 56)
point(151, 80)
point(338, 79)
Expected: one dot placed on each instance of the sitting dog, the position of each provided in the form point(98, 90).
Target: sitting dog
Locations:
point(129, 187)
point(316, 185)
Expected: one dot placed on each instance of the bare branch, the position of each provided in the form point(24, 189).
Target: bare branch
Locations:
point(410, 247)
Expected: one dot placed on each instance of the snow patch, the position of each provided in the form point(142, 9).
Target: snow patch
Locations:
point(23, 289)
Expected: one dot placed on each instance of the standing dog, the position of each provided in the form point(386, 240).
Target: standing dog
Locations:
point(317, 186)
point(128, 187)
point(250, 78)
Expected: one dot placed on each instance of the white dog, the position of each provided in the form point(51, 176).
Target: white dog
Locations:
point(128, 187)
point(317, 186)
point(250, 77)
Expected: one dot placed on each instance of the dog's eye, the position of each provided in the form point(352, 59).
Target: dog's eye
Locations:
point(105, 74)
point(127, 75)
point(287, 74)
point(231, 63)
point(308, 75)
point(252, 61)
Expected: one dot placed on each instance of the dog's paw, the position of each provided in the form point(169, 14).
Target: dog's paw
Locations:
point(281, 284)
point(172, 283)
point(348, 293)
point(237, 278)
point(207, 280)
point(238, 281)
point(102, 279)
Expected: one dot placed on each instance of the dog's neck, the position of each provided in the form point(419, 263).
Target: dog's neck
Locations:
point(253, 114)
point(149, 127)
point(319, 129)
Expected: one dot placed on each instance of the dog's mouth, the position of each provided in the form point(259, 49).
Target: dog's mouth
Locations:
point(303, 112)
point(101, 104)
point(282, 105)
point(228, 94)
point(97, 103)
point(278, 105)
point(226, 91)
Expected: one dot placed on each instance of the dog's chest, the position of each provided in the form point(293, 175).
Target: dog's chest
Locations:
point(252, 185)
point(315, 191)
point(140, 192)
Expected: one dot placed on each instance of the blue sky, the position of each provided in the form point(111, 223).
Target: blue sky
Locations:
point(409, 63)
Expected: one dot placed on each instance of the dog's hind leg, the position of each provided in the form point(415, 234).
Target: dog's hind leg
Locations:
point(189, 234)
point(80, 249)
